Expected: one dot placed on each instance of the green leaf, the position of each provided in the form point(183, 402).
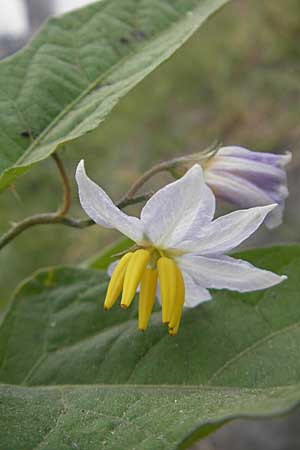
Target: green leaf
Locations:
point(79, 66)
point(106, 385)
point(126, 417)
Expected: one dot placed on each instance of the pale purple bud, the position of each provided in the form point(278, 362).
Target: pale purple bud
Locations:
point(245, 179)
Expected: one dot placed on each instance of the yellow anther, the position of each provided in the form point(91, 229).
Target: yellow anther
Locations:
point(178, 304)
point(167, 278)
point(174, 331)
point(116, 282)
point(135, 270)
point(147, 297)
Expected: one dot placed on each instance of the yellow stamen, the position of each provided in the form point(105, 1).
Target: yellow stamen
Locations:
point(174, 331)
point(147, 297)
point(116, 282)
point(135, 270)
point(167, 278)
point(178, 304)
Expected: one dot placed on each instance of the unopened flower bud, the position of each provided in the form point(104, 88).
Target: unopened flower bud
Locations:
point(246, 178)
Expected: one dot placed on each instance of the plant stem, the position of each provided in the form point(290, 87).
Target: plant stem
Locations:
point(130, 198)
point(167, 166)
point(58, 218)
point(164, 166)
point(66, 186)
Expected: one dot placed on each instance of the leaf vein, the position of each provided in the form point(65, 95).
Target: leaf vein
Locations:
point(250, 349)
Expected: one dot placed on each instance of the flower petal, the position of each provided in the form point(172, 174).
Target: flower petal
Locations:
point(261, 174)
point(100, 208)
point(227, 232)
point(204, 216)
point(245, 194)
point(177, 207)
point(274, 219)
point(277, 160)
point(237, 190)
point(224, 272)
point(194, 293)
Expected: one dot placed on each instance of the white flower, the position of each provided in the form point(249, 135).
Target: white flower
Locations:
point(246, 178)
point(179, 244)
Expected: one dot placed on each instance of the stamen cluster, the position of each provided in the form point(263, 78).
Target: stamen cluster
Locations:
point(145, 267)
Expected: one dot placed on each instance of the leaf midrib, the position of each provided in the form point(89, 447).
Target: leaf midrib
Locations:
point(163, 387)
point(94, 84)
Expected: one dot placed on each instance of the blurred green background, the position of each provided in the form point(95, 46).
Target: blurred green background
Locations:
point(236, 81)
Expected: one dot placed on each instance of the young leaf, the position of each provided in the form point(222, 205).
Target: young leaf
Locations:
point(106, 385)
point(75, 71)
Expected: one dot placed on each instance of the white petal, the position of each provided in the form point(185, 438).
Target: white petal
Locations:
point(173, 210)
point(274, 219)
point(225, 272)
point(204, 216)
point(102, 210)
point(194, 293)
point(227, 232)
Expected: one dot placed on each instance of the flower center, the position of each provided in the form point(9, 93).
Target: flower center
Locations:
point(145, 267)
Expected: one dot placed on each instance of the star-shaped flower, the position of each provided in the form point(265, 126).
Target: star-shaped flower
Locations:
point(179, 246)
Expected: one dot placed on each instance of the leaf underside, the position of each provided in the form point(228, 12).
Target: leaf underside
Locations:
point(74, 72)
point(79, 377)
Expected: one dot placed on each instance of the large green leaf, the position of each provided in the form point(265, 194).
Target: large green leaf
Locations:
point(79, 66)
point(108, 386)
point(126, 417)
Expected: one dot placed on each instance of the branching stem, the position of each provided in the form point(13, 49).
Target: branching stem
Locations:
point(58, 218)
point(130, 198)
